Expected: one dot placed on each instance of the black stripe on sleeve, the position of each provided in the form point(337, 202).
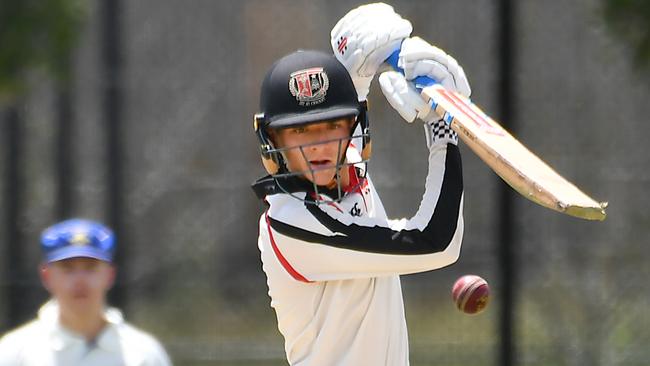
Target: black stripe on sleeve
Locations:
point(434, 238)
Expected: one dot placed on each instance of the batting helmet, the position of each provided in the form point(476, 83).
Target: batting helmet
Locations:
point(301, 88)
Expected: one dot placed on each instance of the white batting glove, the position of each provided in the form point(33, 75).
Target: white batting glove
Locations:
point(403, 97)
point(407, 101)
point(419, 58)
point(364, 38)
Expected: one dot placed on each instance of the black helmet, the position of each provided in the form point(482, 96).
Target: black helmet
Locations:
point(304, 87)
point(301, 88)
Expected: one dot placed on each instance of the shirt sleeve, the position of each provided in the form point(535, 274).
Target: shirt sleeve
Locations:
point(319, 242)
point(10, 347)
point(156, 354)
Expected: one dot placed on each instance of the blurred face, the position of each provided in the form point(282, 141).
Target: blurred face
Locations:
point(315, 149)
point(78, 284)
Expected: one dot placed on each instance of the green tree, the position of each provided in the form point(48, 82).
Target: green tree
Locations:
point(36, 34)
point(630, 21)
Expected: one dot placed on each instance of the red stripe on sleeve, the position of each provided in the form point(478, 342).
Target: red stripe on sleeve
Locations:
point(285, 263)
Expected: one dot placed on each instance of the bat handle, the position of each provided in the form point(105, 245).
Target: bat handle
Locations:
point(420, 82)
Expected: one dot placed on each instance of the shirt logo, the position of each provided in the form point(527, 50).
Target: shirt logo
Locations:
point(309, 86)
point(355, 210)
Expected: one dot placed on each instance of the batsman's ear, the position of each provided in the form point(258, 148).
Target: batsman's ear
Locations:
point(44, 274)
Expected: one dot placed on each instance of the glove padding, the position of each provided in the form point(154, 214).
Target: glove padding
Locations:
point(404, 98)
point(364, 38)
point(419, 58)
point(407, 101)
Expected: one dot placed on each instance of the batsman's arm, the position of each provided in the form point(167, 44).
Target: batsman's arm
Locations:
point(322, 242)
point(512, 161)
point(12, 345)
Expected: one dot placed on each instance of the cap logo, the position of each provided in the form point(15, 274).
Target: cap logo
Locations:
point(309, 86)
point(79, 239)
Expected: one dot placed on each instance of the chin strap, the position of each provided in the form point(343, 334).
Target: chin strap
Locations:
point(270, 185)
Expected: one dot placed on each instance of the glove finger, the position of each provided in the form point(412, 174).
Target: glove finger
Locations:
point(414, 99)
point(370, 16)
point(448, 84)
point(384, 30)
point(392, 88)
point(428, 68)
point(415, 55)
point(462, 84)
point(355, 61)
point(411, 98)
point(460, 79)
point(354, 19)
point(379, 45)
point(400, 30)
point(377, 57)
point(334, 33)
point(386, 83)
point(345, 22)
point(415, 48)
point(452, 79)
point(377, 50)
point(375, 8)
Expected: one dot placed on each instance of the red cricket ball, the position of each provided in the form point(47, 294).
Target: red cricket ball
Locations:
point(471, 294)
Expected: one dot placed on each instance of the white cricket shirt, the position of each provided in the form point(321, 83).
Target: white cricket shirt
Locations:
point(44, 342)
point(333, 269)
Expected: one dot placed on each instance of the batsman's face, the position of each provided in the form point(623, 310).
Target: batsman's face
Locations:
point(315, 149)
point(78, 284)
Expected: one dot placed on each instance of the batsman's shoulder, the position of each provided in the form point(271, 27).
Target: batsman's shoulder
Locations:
point(14, 341)
point(143, 343)
point(293, 212)
point(284, 206)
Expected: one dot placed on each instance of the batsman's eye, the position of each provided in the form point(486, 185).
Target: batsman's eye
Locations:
point(65, 268)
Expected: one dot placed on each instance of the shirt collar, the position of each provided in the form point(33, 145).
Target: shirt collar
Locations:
point(61, 337)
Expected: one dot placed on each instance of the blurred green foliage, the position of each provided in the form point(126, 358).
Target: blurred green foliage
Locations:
point(36, 34)
point(630, 21)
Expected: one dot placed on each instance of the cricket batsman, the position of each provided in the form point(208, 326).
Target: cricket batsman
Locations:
point(331, 255)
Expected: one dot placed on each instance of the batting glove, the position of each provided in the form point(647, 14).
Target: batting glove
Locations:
point(403, 97)
point(364, 38)
point(407, 101)
point(419, 58)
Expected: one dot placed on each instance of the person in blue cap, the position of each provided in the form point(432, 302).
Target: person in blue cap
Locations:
point(76, 327)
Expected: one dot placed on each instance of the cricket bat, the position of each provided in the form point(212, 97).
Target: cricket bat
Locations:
point(524, 171)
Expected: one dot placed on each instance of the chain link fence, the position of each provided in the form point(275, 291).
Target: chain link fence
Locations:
point(190, 81)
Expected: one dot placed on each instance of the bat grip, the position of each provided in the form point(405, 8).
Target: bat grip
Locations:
point(420, 82)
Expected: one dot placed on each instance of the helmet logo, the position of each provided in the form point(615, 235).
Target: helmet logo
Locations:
point(309, 86)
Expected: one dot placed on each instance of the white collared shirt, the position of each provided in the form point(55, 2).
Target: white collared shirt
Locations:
point(44, 342)
point(333, 269)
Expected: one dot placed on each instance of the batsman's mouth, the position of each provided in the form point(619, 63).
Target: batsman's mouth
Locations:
point(322, 163)
point(80, 294)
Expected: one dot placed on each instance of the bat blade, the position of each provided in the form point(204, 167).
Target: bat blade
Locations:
point(512, 161)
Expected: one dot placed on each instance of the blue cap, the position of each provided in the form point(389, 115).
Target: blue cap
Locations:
point(77, 238)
